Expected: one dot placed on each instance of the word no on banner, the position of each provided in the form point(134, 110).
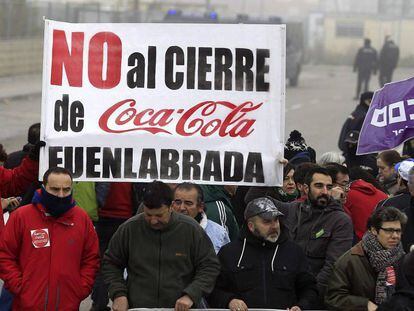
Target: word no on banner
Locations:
point(173, 102)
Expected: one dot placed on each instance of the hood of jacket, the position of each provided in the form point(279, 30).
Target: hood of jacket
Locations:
point(215, 193)
point(364, 187)
point(245, 233)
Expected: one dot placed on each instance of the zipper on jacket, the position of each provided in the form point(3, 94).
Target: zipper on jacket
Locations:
point(159, 268)
point(46, 297)
point(57, 298)
point(264, 279)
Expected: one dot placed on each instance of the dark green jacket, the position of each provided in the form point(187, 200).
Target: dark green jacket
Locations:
point(324, 234)
point(352, 282)
point(218, 209)
point(162, 265)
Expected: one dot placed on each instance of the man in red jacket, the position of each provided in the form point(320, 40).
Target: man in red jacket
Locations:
point(359, 198)
point(49, 251)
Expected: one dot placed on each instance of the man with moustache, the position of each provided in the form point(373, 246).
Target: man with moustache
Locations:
point(319, 225)
point(263, 268)
point(169, 258)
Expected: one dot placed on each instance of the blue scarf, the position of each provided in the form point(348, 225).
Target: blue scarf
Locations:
point(54, 205)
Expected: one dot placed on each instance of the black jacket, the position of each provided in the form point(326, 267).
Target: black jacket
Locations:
point(264, 274)
point(354, 122)
point(403, 298)
point(401, 301)
point(400, 201)
point(366, 60)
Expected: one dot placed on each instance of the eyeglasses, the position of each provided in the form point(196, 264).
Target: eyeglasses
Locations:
point(346, 186)
point(390, 231)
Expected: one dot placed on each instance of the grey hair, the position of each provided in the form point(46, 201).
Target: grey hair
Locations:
point(331, 157)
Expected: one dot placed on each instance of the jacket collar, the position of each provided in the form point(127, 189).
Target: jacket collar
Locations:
point(171, 223)
point(66, 218)
point(258, 242)
point(358, 250)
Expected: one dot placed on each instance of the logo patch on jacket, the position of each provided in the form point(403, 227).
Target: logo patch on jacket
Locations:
point(40, 238)
point(319, 233)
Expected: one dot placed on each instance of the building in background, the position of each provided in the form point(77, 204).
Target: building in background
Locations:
point(331, 30)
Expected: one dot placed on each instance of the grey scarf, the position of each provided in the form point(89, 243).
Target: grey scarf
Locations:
point(381, 259)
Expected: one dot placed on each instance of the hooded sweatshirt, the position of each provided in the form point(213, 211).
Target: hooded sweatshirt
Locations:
point(362, 199)
point(264, 274)
point(218, 209)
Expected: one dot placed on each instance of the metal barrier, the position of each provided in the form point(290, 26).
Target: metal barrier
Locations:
point(172, 309)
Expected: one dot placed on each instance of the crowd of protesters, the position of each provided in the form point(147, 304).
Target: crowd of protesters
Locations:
point(336, 235)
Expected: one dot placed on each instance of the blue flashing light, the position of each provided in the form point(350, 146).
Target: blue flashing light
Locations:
point(172, 12)
point(213, 15)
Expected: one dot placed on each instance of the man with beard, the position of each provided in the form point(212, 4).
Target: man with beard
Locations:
point(319, 225)
point(263, 268)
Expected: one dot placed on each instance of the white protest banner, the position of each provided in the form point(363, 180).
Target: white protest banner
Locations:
point(173, 102)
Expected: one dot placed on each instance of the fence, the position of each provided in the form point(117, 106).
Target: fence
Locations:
point(21, 29)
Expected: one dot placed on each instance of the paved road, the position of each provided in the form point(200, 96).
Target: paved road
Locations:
point(317, 108)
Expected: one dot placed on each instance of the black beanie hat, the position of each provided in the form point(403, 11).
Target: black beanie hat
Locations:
point(297, 150)
point(364, 96)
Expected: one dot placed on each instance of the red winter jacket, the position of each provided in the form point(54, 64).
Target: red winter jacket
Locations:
point(48, 263)
point(118, 203)
point(361, 201)
point(15, 181)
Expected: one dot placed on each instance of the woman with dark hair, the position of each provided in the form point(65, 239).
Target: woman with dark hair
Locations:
point(387, 175)
point(286, 193)
point(365, 276)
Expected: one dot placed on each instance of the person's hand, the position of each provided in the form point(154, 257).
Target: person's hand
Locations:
point(10, 202)
point(295, 308)
point(338, 193)
point(34, 153)
point(183, 304)
point(371, 306)
point(120, 304)
point(283, 161)
point(237, 305)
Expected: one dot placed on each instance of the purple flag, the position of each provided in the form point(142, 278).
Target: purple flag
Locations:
point(390, 118)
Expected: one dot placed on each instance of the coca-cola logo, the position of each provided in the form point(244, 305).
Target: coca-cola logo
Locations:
point(202, 119)
point(40, 238)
